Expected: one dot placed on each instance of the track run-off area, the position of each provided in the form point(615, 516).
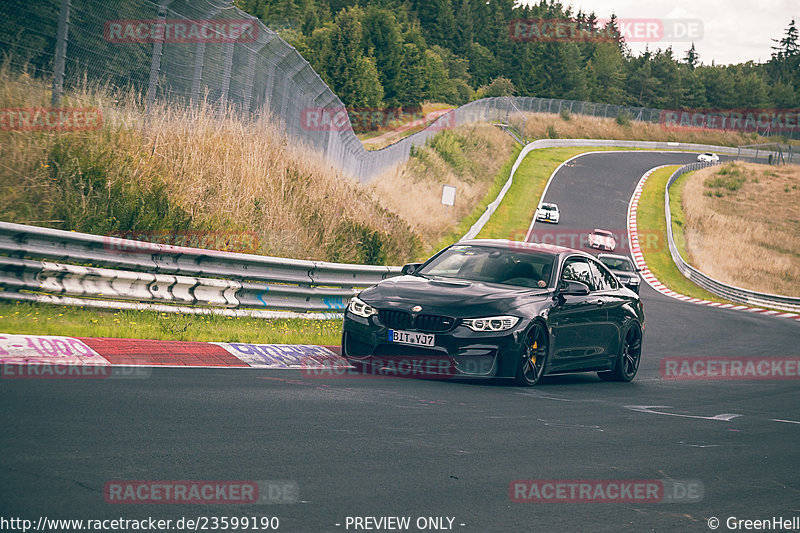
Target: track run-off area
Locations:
point(372, 446)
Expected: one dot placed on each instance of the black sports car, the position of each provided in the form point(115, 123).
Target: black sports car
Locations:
point(623, 268)
point(490, 308)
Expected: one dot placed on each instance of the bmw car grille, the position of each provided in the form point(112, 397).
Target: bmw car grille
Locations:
point(403, 320)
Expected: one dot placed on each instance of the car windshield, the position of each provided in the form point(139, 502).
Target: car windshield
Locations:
point(547, 207)
point(492, 265)
point(603, 233)
point(617, 263)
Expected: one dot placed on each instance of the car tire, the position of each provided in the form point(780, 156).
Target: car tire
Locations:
point(531, 364)
point(630, 354)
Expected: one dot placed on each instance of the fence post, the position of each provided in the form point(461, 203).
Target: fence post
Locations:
point(155, 65)
point(251, 68)
point(199, 60)
point(61, 53)
point(226, 74)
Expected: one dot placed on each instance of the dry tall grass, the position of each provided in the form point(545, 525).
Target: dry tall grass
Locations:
point(467, 158)
point(741, 225)
point(544, 125)
point(200, 168)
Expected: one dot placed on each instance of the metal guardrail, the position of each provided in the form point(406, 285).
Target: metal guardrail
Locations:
point(730, 292)
point(139, 271)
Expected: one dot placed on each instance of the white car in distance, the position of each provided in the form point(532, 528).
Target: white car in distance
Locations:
point(548, 213)
point(708, 157)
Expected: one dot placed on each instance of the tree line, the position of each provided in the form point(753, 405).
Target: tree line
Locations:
point(392, 53)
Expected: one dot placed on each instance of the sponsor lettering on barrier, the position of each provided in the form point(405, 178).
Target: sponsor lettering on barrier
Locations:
point(283, 355)
point(52, 357)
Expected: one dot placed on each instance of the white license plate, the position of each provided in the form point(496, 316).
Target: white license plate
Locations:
point(410, 337)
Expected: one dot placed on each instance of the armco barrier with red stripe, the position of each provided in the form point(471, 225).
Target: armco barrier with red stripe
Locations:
point(103, 352)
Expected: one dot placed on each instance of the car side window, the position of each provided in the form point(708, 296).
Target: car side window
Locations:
point(577, 269)
point(603, 279)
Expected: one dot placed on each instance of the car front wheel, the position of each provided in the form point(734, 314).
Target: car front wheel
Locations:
point(530, 368)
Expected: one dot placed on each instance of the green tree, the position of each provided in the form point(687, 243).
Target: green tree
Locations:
point(383, 40)
point(413, 82)
point(609, 71)
point(352, 74)
point(464, 30)
point(692, 58)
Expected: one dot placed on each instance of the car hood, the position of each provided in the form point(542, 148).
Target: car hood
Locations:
point(624, 274)
point(451, 297)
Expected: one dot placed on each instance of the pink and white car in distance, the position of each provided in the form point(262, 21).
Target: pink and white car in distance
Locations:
point(602, 240)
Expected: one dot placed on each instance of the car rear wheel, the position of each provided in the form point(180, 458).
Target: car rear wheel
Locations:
point(629, 355)
point(531, 365)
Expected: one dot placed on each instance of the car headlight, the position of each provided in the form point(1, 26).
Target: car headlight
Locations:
point(491, 323)
point(358, 307)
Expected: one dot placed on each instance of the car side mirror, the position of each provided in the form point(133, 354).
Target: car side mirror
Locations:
point(573, 288)
point(410, 268)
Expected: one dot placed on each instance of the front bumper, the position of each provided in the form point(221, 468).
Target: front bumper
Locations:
point(459, 352)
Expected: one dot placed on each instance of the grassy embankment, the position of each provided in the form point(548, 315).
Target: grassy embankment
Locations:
point(740, 224)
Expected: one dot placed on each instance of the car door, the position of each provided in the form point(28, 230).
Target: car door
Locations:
point(578, 321)
point(608, 287)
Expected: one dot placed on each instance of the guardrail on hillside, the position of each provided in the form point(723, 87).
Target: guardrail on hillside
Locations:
point(43, 260)
point(730, 292)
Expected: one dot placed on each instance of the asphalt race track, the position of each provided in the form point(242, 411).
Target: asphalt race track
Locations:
point(374, 446)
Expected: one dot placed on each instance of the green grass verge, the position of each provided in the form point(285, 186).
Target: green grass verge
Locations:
point(47, 319)
point(514, 214)
point(678, 217)
point(651, 222)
